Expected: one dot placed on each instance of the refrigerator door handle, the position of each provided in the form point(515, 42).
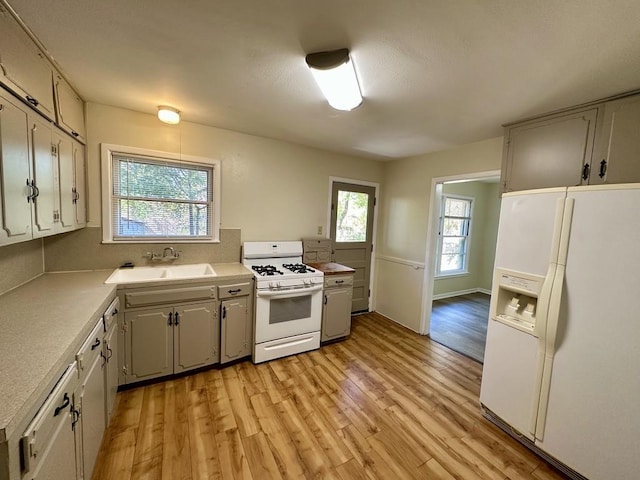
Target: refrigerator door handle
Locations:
point(544, 301)
point(553, 318)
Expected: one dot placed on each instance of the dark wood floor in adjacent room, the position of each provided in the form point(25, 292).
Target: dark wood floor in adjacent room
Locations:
point(386, 403)
point(460, 323)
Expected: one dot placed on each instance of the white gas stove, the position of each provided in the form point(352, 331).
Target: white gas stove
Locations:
point(288, 299)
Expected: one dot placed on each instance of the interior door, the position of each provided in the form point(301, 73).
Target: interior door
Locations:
point(352, 235)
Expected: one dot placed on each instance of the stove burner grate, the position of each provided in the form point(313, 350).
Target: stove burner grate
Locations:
point(298, 268)
point(266, 270)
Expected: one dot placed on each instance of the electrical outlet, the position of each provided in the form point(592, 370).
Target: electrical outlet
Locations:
point(319, 229)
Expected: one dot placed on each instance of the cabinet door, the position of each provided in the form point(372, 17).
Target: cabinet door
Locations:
point(336, 314)
point(236, 329)
point(43, 176)
point(25, 70)
point(549, 152)
point(79, 184)
point(66, 181)
point(69, 109)
point(620, 143)
point(196, 336)
point(110, 370)
point(92, 413)
point(148, 344)
point(15, 174)
point(48, 443)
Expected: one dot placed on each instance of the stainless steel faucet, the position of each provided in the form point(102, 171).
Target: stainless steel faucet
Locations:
point(171, 250)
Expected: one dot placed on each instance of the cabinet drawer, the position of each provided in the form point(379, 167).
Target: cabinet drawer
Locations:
point(91, 349)
point(338, 281)
point(235, 290)
point(52, 421)
point(173, 295)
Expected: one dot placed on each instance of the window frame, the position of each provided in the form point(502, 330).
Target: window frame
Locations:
point(107, 153)
point(465, 255)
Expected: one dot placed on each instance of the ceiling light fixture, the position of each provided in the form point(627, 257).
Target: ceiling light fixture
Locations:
point(168, 114)
point(336, 77)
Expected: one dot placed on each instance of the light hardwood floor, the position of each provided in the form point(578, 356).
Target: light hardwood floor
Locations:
point(460, 323)
point(384, 404)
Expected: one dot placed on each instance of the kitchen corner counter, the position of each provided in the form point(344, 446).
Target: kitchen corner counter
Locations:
point(43, 324)
point(332, 268)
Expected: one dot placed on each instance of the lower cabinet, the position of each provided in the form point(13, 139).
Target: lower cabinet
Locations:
point(336, 311)
point(236, 321)
point(110, 352)
point(163, 340)
point(49, 441)
point(90, 360)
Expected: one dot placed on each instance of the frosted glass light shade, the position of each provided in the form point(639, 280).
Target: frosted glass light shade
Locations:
point(168, 115)
point(335, 75)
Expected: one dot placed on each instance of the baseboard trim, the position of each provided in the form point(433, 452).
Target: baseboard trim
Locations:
point(461, 292)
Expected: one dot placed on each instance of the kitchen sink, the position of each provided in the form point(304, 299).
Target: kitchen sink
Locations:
point(161, 273)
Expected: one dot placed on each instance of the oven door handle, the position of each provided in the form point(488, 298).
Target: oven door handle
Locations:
point(289, 293)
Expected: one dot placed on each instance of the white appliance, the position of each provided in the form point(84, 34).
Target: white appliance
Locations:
point(288, 312)
point(562, 359)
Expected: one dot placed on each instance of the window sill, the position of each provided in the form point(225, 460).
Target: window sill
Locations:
point(451, 275)
point(159, 242)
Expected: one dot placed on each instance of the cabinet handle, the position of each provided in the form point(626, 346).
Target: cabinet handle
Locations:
point(176, 319)
point(170, 318)
point(36, 190)
point(234, 291)
point(65, 404)
point(339, 281)
point(585, 171)
point(28, 191)
point(109, 351)
point(96, 344)
point(104, 360)
point(325, 299)
point(603, 168)
point(76, 417)
point(224, 312)
point(74, 133)
point(32, 101)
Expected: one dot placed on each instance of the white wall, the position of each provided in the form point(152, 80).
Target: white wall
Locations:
point(404, 216)
point(271, 190)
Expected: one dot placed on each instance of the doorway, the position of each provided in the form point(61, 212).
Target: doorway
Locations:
point(463, 228)
point(351, 233)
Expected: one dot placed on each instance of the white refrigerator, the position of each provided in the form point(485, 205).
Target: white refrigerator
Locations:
point(562, 360)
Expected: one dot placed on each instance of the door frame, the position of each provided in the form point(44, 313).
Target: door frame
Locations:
point(376, 186)
point(432, 240)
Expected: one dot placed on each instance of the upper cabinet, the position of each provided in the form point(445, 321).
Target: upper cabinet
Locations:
point(587, 145)
point(24, 69)
point(69, 109)
point(28, 184)
point(616, 160)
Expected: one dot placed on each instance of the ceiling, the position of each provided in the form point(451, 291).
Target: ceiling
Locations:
point(434, 73)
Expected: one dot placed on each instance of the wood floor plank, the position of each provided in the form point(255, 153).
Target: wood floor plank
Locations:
point(176, 464)
point(147, 461)
point(233, 461)
point(386, 403)
point(260, 457)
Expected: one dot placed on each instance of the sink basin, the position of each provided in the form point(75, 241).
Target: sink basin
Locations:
point(161, 273)
point(189, 271)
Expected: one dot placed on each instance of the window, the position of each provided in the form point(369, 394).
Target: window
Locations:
point(453, 237)
point(153, 196)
